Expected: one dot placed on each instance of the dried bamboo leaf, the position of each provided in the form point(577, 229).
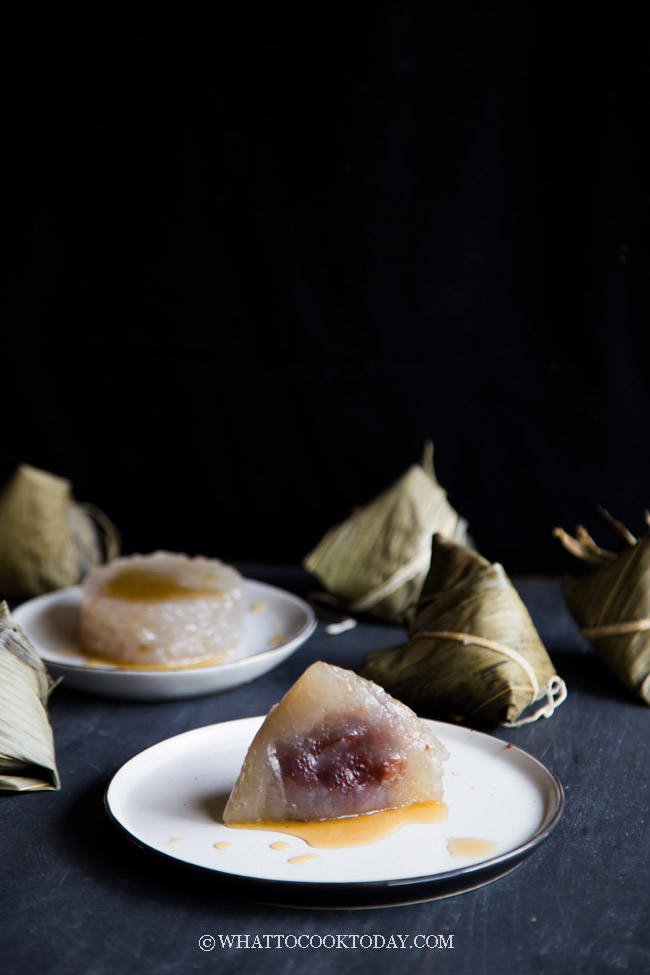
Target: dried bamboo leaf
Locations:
point(582, 548)
point(618, 525)
point(585, 539)
point(473, 652)
point(611, 605)
point(27, 760)
point(377, 559)
point(47, 539)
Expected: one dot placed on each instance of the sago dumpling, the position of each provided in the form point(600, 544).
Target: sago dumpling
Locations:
point(336, 745)
point(163, 609)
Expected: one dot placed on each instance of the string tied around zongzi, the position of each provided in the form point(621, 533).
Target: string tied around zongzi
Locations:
point(554, 691)
point(403, 574)
point(328, 605)
point(473, 650)
point(613, 629)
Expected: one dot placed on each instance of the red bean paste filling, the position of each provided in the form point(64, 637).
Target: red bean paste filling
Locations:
point(346, 763)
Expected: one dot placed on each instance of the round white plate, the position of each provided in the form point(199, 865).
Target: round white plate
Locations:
point(170, 799)
point(276, 623)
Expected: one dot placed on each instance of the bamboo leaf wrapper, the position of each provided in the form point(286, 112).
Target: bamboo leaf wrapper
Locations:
point(27, 760)
point(48, 540)
point(473, 652)
point(611, 604)
point(377, 559)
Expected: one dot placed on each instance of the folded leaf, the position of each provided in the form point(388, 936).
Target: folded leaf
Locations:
point(47, 539)
point(27, 761)
point(473, 651)
point(377, 559)
point(612, 603)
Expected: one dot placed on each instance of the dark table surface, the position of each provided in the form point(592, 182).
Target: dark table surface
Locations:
point(78, 897)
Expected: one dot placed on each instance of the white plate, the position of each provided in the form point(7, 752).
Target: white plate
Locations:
point(276, 623)
point(170, 798)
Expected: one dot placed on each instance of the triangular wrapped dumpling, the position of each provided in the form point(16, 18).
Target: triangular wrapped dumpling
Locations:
point(48, 540)
point(377, 559)
point(473, 651)
point(612, 603)
point(336, 745)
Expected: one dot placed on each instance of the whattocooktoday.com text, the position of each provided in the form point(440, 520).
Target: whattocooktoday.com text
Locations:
point(230, 942)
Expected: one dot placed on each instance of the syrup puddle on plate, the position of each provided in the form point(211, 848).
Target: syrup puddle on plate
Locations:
point(354, 830)
point(304, 858)
point(94, 661)
point(471, 846)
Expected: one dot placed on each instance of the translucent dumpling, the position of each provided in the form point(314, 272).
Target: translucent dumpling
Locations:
point(336, 745)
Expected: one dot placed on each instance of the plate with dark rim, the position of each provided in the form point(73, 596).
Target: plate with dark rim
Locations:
point(502, 804)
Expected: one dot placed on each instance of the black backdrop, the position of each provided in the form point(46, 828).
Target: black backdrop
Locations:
point(258, 253)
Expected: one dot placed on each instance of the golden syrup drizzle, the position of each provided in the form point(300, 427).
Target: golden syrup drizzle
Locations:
point(92, 660)
point(304, 858)
point(354, 830)
point(132, 664)
point(470, 846)
point(142, 585)
point(258, 607)
point(278, 638)
point(222, 845)
point(279, 845)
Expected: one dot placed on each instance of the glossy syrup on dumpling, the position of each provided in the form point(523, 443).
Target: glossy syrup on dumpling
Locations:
point(336, 745)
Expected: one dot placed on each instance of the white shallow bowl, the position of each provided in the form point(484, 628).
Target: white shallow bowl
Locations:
point(276, 623)
point(170, 799)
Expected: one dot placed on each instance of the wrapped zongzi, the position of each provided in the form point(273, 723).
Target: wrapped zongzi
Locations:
point(27, 762)
point(376, 560)
point(47, 539)
point(611, 604)
point(473, 652)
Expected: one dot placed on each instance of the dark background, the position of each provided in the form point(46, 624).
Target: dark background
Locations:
point(258, 253)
